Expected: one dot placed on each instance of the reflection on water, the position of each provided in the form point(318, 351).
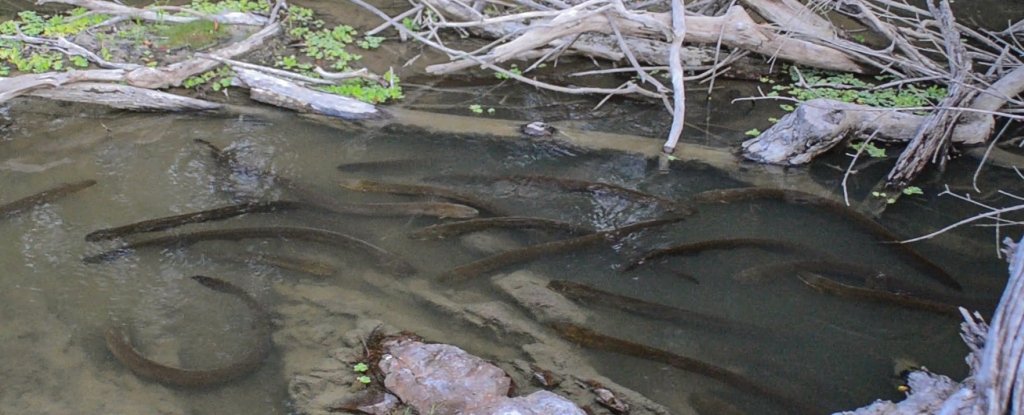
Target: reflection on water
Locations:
point(54, 308)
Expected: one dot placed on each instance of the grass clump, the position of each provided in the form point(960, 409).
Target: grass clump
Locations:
point(198, 34)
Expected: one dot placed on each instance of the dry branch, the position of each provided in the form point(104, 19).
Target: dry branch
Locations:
point(106, 7)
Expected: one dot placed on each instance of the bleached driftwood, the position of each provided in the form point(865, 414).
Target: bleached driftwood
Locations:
point(818, 125)
point(162, 14)
point(995, 385)
point(282, 93)
point(124, 97)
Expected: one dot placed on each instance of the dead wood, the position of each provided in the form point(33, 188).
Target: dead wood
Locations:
point(161, 14)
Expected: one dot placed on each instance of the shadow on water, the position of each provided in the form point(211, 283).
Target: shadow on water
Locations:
point(833, 352)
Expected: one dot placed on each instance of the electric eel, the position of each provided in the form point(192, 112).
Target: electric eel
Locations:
point(360, 185)
point(584, 293)
point(444, 230)
point(591, 339)
point(45, 196)
point(763, 273)
point(384, 258)
point(800, 198)
point(529, 253)
point(169, 222)
point(120, 345)
point(695, 248)
point(582, 186)
point(440, 210)
point(436, 209)
point(829, 286)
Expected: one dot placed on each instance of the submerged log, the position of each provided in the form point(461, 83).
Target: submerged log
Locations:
point(286, 94)
point(120, 345)
point(43, 197)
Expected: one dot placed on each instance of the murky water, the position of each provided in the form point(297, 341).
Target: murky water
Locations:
point(837, 353)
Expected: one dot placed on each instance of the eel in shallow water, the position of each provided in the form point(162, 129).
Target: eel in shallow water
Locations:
point(583, 186)
point(45, 196)
point(304, 264)
point(768, 272)
point(829, 286)
point(120, 345)
point(584, 293)
point(800, 198)
point(492, 263)
point(371, 186)
point(168, 222)
point(595, 340)
point(695, 248)
point(383, 258)
point(444, 230)
point(440, 210)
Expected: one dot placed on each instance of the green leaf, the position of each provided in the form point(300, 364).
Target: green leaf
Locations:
point(364, 380)
point(753, 132)
point(476, 108)
point(360, 367)
point(913, 190)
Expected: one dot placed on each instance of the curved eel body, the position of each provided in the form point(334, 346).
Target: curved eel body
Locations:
point(829, 286)
point(45, 196)
point(120, 345)
point(384, 258)
point(444, 230)
point(594, 340)
point(169, 222)
point(695, 248)
point(529, 253)
point(800, 198)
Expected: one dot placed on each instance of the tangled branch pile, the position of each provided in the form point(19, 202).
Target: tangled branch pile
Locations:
point(982, 70)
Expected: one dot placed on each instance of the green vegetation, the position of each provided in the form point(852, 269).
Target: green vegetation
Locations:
point(503, 76)
point(244, 6)
point(908, 191)
point(220, 77)
point(849, 88)
point(870, 148)
point(328, 46)
point(28, 59)
point(196, 35)
point(362, 368)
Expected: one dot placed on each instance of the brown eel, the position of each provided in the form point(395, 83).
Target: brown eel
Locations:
point(583, 186)
point(384, 258)
point(45, 196)
point(695, 248)
point(584, 293)
point(444, 230)
point(361, 185)
point(829, 286)
point(529, 253)
point(594, 340)
point(120, 345)
point(800, 198)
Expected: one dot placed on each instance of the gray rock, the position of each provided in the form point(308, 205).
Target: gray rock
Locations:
point(537, 403)
point(440, 378)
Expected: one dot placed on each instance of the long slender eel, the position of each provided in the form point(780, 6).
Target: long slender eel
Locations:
point(771, 271)
point(208, 215)
point(800, 198)
point(529, 253)
point(384, 258)
point(45, 196)
point(829, 286)
point(371, 186)
point(120, 345)
point(695, 248)
point(594, 340)
point(444, 230)
point(583, 186)
point(584, 293)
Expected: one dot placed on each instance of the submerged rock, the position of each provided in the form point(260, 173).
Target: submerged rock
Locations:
point(537, 403)
point(532, 293)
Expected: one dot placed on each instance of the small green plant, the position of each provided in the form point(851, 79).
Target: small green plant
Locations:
point(882, 195)
point(476, 109)
point(370, 42)
point(197, 34)
point(514, 69)
point(912, 190)
point(370, 92)
point(360, 367)
point(218, 79)
point(872, 150)
point(753, 132)
point(410, 24)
